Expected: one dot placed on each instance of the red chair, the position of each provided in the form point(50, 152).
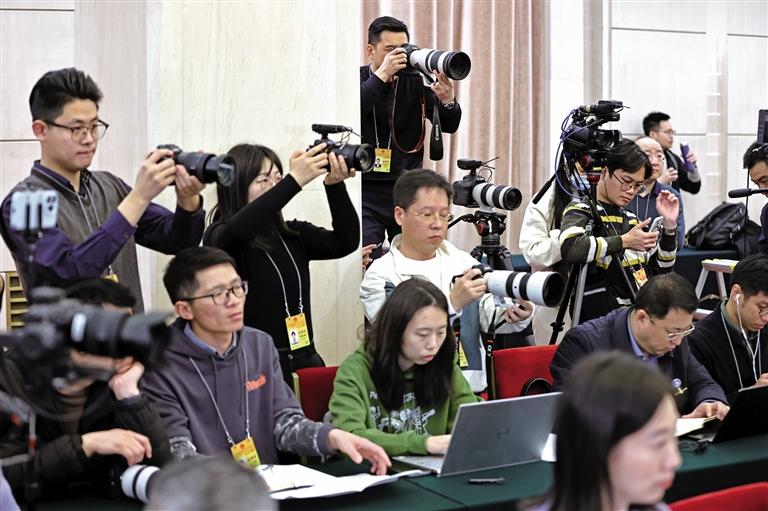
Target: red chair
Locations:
point(749, 497)
point(521, 371)
point(313, 387)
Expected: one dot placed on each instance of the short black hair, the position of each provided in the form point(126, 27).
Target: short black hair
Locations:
point(57, 88)
point(100, 291)
point(383, 23)
point(180, 278)
point(652, 121)
point(751, 274)
point(628, 156)
point(409, 184)
point(754, 154)
point(664, 292)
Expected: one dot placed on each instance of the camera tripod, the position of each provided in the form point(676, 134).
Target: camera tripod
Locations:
point(490, 226)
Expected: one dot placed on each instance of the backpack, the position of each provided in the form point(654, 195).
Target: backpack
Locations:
point(724, 227)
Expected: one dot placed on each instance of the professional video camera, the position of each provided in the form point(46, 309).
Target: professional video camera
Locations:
point(474, 191)
point(54, 325)
point(453, 64)
point(206, 167)
point(541, 288)
point(583, 142)
point(358, 157)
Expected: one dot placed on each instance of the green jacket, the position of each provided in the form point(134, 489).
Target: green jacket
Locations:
point(355, 407)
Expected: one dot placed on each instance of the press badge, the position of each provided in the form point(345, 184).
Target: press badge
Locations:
point(463, 362)
point(640, 277)
point(383, 160)
point(245, 452)
point(112, 277)
point(298, 335)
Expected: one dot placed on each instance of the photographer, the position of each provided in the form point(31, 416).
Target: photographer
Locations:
point(392, 110)
point(274, 255)
point(96, 421)
point(756, 164)
point(100, 218)
point(618, 235)
point(422, 202)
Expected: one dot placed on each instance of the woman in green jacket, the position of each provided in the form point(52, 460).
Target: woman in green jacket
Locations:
point(403, 387)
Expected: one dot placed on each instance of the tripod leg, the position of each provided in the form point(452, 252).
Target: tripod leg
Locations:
point(557, 324)
point(579, 295)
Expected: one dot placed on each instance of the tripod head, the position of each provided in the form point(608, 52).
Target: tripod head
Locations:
point(490, 226)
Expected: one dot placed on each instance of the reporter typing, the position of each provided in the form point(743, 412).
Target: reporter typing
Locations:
point(273, 255)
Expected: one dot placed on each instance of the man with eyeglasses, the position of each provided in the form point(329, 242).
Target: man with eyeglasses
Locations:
point(756, 165)
point(618, 242)
point(653, 330)
point(658, 126)
point(100, 218)
point(221, 388)
point(422, 209)
point(732, 341)
point(644, 203)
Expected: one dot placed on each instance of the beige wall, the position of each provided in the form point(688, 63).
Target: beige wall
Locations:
point(204, 75)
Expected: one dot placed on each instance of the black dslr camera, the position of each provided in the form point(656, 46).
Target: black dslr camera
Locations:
point(206, 167)
point(358, 157)
point(474, 191)
point(583, 142)
point(55, 324)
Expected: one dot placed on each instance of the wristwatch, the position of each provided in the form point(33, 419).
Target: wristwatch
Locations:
point(450, 104)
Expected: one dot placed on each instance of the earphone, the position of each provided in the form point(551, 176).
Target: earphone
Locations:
point(755, 354)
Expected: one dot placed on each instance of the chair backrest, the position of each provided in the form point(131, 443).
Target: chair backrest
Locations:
point(314, 386)
point(16, 304)
point(749, 497)
point(522, 371)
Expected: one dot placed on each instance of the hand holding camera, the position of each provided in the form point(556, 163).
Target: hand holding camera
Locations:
point(339, 170)
point(125, 383)
point(443, 88)
point(306, 166)
point(393, 63)
point(467, 288)
point(520, 310)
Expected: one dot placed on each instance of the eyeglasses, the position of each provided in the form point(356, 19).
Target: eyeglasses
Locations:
point(79, 133)
point(222, 297)
point(655, 156)
point(762, 311)
point(674, 335)
point(627, 186)
point(429, 217)
point(669, 131)
point(273, 176)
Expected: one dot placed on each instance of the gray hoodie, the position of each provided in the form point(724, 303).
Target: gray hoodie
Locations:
point(182, 400)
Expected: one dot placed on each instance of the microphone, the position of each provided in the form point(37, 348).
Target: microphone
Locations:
point(745, 192)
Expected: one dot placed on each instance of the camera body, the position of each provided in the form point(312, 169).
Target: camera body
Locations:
point(474, 191)
point(206, 167)
point(359, 157)
point(55, 324)
point(453, 64)
point(584, 142)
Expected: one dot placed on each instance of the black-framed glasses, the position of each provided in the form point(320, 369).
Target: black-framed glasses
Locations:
point(630, 186)
point(221, 297)
point(674, 335)
point(97, 130)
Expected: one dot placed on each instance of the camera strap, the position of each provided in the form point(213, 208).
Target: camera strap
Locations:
point(436, 137)
point(420, 144)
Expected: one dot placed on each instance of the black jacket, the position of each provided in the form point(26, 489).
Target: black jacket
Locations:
point(60, 465)
point(610, 332)
point(709, 344)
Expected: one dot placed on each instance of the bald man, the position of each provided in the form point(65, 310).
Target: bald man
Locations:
point(644, 204)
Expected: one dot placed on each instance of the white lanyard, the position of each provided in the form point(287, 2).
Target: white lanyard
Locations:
point(282, 283)
point(757, 368)
point(216, 405)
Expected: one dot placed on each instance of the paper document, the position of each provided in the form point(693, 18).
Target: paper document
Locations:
point(300, 482)
point(685, 426)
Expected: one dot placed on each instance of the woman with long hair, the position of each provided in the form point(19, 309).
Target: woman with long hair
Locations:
point(616, 446)
point(273, 255)
point(402, 388)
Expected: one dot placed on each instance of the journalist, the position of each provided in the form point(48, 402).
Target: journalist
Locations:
point(658, 126)
point(756, 164)
point(654, 331)
point(618, 242)
point(98, 427)
point(274, 255)
point(100, 218)
point(422, 205)
point(393, 106)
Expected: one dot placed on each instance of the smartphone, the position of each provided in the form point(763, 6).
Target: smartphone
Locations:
point(657, 224)
point(34, 210)
point(684, 151)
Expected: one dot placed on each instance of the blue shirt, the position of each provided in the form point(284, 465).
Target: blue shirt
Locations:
point(636, 347)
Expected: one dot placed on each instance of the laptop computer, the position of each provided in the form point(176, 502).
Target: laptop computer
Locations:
point(493, 434)
point(748, 417)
